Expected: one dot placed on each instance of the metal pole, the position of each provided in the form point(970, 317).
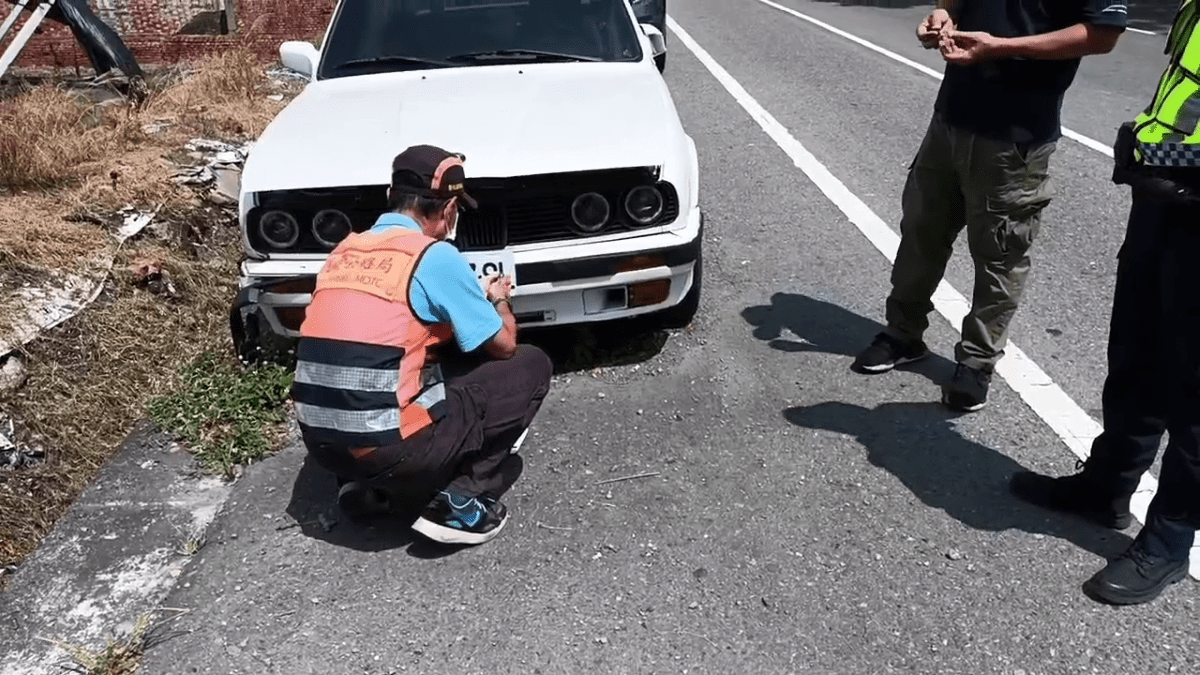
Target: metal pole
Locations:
point(23, 35)
point(12, 18)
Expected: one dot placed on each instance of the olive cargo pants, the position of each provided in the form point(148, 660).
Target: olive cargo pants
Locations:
point(997, 190)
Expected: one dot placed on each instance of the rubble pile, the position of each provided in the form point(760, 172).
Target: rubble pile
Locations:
point(39, 306)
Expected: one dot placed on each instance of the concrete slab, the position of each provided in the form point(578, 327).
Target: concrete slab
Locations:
point(111, 559)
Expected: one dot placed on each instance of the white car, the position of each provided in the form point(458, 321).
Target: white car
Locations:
point(587, 182)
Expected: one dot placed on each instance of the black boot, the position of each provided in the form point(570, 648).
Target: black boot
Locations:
point(1138, 575)
point(1090, 493)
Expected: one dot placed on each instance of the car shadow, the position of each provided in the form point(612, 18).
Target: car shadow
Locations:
point(582, 347)
point(824, 327)
point(313, 506)
point(917, 444)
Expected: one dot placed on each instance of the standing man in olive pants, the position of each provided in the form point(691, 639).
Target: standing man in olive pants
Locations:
point(984, 165)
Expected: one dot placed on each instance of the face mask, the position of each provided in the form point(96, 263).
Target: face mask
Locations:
point(453, 228)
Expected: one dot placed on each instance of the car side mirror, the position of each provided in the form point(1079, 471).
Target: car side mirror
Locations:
point(299, 56)
point(658, 41)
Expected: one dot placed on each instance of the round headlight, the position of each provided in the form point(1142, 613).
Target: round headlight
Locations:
point(590, 211)
point(279, 229)
point(331, 226)
point(644, 204)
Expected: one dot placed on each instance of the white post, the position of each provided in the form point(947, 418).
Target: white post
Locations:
point(23, 35)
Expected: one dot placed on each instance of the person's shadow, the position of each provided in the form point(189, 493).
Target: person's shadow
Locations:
point(824, 327)
point(314, 507)
point(916, 443)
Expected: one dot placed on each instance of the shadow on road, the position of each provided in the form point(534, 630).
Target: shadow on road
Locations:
point(314, 507)
point(583, 347)
point(916, 443)
point(826, 328)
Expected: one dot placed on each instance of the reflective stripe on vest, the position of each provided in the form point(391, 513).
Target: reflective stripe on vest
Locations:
point(1168, 131)
point(361, 373)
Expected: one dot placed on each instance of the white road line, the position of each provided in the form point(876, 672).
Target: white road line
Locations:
point(1139, 30)
point(1092, 143)
point(1072, 424)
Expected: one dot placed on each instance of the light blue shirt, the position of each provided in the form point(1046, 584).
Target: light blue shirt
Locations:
point(446, 290)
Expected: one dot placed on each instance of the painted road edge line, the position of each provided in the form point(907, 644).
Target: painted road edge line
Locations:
point(1070, 422)
point(1073, 135)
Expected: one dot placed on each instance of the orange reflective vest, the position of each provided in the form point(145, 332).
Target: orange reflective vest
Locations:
point(363, 372)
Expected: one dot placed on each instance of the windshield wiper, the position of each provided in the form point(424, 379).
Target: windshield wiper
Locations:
point(398, 59)
point(521, 54)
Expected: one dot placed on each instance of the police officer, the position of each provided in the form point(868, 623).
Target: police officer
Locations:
point(1153, 383)
point(377, 400)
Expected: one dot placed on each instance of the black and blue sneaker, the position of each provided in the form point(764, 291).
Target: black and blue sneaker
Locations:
point(458, 519)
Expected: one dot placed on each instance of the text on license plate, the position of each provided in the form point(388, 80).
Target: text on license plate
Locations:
point(487, 263)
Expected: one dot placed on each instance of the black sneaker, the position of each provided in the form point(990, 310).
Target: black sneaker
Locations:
point(968, 390)
point(457, 519)
point(1136, 576)
point(1079, 493)
point(361, 502)
point(887, 352)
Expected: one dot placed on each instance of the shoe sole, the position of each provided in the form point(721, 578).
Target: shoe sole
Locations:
point(451, 535)
point(1099, 594)
point(883, 368)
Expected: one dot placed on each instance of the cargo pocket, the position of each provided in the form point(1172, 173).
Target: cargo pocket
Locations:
point(1017, 222)
point(1016, 206)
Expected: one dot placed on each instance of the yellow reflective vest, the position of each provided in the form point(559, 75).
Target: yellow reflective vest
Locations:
point(1168, 132)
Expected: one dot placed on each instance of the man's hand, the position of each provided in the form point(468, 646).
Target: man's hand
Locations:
point(931, 29)
point(498, 288)
point(966, 48)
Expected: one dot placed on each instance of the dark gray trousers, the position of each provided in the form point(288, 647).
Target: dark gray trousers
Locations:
point(997, 191)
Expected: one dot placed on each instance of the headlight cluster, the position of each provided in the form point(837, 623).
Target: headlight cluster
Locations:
point(642, 206)
point(281, 230)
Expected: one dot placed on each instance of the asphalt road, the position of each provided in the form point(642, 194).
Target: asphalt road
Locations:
point(803, 518)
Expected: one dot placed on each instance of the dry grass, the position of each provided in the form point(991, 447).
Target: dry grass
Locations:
point(49, 137)
point(65, 170)
point(225, 96)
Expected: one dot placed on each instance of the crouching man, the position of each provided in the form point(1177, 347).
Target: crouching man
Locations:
point(380, 401)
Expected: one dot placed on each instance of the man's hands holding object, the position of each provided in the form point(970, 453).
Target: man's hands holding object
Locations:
point(960, 48)
point(498, 289)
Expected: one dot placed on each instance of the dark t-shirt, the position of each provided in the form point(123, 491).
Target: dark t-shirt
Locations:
point(1018, 99)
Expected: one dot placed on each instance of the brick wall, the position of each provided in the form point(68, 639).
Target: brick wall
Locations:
point(152, 29)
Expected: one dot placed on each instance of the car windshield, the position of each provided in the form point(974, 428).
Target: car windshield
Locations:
point(372, 36)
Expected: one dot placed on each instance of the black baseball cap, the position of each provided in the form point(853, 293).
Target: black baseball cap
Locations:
point(430, 171)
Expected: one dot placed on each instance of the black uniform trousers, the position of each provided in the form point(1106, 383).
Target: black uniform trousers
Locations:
point(489, 404)
point(1153, 382)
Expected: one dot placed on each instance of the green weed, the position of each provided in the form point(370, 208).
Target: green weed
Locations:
point(227, 416)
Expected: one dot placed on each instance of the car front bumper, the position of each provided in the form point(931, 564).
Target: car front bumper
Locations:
point(567, 283)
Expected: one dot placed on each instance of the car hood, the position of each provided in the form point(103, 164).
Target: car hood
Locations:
point(508, 120)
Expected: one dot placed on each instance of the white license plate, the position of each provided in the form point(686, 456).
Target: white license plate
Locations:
point(487, 263)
